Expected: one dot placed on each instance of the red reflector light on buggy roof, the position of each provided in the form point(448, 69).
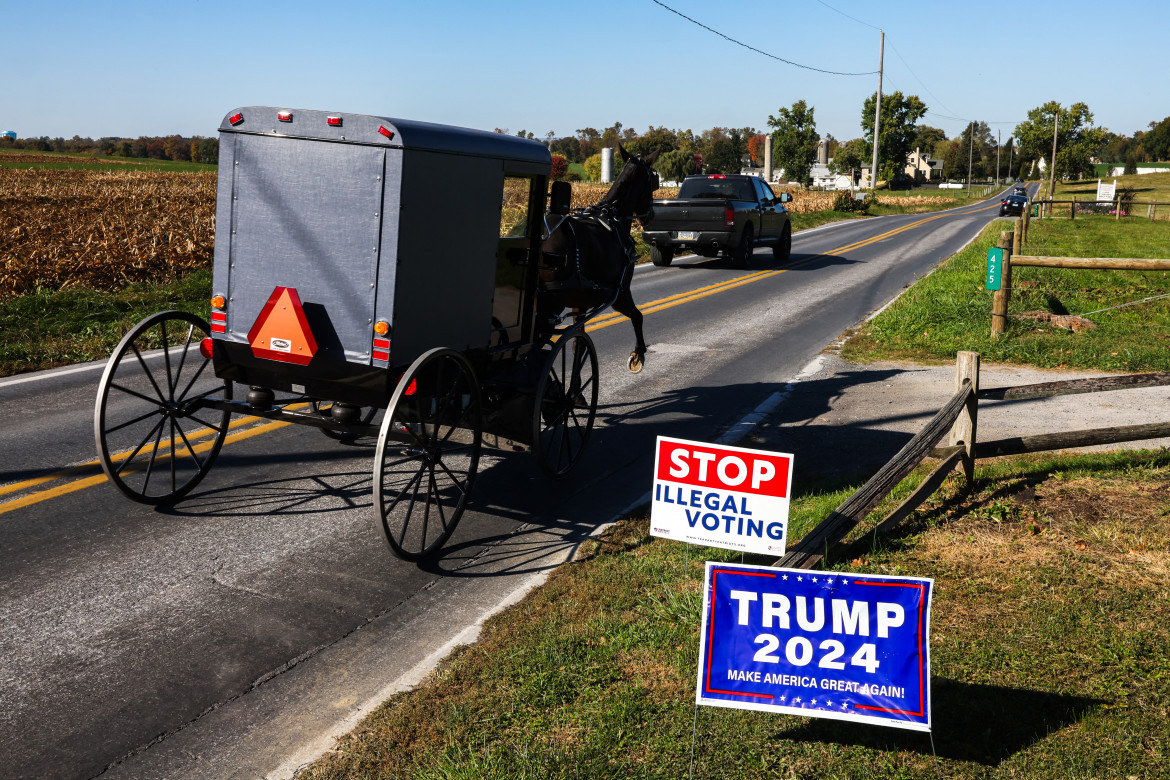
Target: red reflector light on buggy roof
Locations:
point(236, 119)
point(333, 121)
point(382, 129)
point(284, 116)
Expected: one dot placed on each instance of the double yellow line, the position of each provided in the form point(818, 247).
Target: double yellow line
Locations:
point(89, 473)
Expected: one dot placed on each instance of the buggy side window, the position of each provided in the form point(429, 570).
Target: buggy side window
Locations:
point(514, 207)
point(512, 258)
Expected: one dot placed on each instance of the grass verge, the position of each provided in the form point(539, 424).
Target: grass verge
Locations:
point(49, 328)
point(950, 310)
point(593, 675)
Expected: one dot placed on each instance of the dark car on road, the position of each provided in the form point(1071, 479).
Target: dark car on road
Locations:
point(1013, 204)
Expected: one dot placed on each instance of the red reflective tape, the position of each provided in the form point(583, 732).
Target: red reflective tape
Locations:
point(218, 327)
point(381, 343)
point(379, 355)
point(218, 316)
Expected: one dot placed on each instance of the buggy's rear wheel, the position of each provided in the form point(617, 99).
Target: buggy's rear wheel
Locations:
point(428, 453)
point(155, 437)
point(566, 403)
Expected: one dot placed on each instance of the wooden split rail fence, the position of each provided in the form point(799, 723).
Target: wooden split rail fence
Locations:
point(1010, 242)
point(955, 428)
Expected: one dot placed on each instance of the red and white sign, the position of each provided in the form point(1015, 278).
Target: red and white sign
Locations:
point(721, 496)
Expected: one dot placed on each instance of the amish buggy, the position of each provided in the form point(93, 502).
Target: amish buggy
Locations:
point(370, 266)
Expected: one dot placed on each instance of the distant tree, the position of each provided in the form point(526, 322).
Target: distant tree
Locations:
point(107, 145)
point(209, 150)
point(1156, 143)
point(850, 158)
point(676, 165)
point(653, 138)
point(897, 129)
point(927, 137)
point(1130, 164)
point(589, 141)
point(831, 145)
point(981, 157)
point(125, 148)
point(794, 141)
point(176, 147)
point(755, 147)
point(560, 167)
point(1076, 136)
point(156, 149)
point(593, 167)
point(568, 147)
point(723, 148)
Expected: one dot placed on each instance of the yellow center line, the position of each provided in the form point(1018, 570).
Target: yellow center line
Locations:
point(97, 479)
point(88, 466)
point(612, 318)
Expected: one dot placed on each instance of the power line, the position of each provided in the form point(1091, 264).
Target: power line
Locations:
point(847, 16)
point(758, 51)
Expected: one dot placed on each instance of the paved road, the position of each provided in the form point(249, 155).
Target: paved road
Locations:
point(231, 635)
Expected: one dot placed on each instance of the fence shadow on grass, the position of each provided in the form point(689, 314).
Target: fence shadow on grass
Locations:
point(982, 724)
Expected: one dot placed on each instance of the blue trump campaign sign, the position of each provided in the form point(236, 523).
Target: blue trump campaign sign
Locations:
point(824, 644)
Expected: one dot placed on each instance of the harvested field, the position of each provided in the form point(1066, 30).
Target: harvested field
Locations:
point(102, 230)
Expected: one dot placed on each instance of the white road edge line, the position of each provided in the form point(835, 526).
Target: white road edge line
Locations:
point(318, 747)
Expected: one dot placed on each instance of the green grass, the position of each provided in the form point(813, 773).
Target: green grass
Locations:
point(593, 675)
point(90, 162)
point(950, 310)
point(51, 328)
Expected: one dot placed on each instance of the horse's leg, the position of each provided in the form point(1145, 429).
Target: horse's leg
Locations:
point(625, 305)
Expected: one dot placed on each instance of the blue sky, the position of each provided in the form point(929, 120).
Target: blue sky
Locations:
point(138, 68)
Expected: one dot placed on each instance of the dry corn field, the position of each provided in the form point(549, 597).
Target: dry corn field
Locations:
point(104, 230)
point(61, 228)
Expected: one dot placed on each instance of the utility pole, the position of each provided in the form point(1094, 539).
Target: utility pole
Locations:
point(970, 156)
point(998, 140)
point(877, 113)
point(1052, 164)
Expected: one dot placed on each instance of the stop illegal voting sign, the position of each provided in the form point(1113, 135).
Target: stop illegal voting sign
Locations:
point(721, 496)
point(822, 644)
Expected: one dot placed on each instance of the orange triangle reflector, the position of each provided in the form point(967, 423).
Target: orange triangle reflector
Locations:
point(281, 332)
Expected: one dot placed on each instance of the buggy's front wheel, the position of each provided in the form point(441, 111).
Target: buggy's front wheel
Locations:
point(156, 436)
point(428, 453)
point(566, 403)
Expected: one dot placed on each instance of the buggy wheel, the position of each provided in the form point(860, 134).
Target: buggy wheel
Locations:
point(428, 452)
point(156, 438)
point(566, 403)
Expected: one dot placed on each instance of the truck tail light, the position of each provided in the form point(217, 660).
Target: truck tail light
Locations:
point(729, 217)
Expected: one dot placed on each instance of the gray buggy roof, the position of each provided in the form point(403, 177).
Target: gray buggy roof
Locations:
point(368, 130)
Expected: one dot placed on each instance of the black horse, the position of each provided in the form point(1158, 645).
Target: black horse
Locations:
point(596, 253)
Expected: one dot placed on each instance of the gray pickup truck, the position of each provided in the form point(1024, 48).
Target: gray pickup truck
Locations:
point(720, 214)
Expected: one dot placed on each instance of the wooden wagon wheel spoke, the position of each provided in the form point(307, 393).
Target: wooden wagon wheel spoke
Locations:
point(145, 415)
point(566, 403)
point(417, 510)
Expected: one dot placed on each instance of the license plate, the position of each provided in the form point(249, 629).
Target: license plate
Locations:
point(687, 235)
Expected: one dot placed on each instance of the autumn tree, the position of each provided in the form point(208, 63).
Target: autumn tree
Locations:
point(896, 129)
point(794, 141)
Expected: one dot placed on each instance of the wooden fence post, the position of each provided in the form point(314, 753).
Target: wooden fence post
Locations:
point(1117, 208)
point(1072, 208)
point(965, 428)
point(1001, 297)
point(1025, 223)
point(1017, 237)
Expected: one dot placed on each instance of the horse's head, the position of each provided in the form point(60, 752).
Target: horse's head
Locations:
point(632, 193)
